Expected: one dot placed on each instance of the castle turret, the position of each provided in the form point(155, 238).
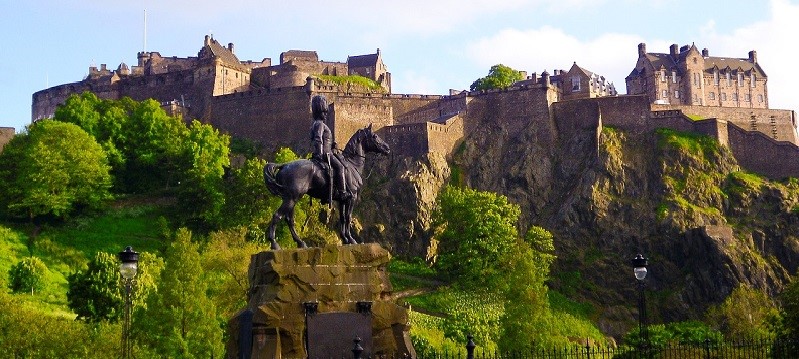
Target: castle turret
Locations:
point(123, 69)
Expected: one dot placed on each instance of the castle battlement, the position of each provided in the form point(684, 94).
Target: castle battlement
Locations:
point(270, 103)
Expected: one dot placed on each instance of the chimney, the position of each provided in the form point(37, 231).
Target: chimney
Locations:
point(641, 49)
point(705, 53)
point(673, 50)
point(753, 56)
point(207, 40)
point(103, 67)
point(230, 47)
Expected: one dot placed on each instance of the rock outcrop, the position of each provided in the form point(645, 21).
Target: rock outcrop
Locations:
point(606, 195)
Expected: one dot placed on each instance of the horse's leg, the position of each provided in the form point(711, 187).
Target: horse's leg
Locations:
point(342, 222)
point(348, 225)
point(272, 226)
point(294, 235)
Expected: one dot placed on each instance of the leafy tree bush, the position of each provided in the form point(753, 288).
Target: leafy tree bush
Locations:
point(180, 321)
point(745, 313)
point(53, 170)
point(27, 275)
point(499, 77)
point(477, 236)
point(95, 294)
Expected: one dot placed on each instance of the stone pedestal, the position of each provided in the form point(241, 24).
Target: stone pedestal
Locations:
point(349, 280)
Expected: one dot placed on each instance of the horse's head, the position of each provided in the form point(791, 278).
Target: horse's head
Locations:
point(373, 142)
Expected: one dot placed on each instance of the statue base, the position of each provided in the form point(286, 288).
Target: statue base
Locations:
point(313, 303)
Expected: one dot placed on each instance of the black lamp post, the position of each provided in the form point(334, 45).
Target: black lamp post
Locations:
point(128, 268)
point(639, 268)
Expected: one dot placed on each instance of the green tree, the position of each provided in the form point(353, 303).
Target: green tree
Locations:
point(54, 169)
point(525, 319)
point(27, 275)
point(745, 313)
point(477, 233)
point(788, 329)
point(206, 157)
point(95, 294)
point(247, 200)
point(499, 77)
point(180, 320)
point(226, 260)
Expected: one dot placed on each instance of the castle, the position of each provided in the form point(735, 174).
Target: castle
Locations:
point(688, 77)
point(270, 103)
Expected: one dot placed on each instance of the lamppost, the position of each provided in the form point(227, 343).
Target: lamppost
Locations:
point(639, 268)
point(128, 268)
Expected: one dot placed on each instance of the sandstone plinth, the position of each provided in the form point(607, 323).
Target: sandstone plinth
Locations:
point(335, 277)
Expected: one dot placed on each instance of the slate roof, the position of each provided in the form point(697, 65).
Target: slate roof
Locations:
point(362, 60)
point(223, 53)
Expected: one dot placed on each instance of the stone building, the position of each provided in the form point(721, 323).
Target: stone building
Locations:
point(686, 76)
point(575, 83)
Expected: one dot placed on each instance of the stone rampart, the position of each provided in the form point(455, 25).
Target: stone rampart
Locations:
point(777, 124)
point(513, 109)
point(275, 118)
point(6, 134)
point(762, 154)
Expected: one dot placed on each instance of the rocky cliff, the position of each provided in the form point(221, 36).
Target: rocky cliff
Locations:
point(679, 199)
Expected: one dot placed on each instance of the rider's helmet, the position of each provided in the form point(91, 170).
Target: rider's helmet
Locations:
point(319, 107)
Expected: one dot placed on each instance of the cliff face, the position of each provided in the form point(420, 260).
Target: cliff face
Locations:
point(607, 195)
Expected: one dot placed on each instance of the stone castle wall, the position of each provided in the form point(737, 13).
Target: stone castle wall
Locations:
point(276, 118)
point(760, 153)
point(6, 134)
point(777, 124)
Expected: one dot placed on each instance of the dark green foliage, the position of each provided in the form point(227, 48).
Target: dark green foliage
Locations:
point(180, 320)
point(746, 313)
point(499, 77)
point(55, 169)
point(477, 234)
point(205, 157)
point(789, 325)
point(95, 294)
point(27, 275)
point(677, 333)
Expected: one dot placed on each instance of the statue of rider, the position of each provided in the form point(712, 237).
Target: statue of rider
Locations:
point(323, 145)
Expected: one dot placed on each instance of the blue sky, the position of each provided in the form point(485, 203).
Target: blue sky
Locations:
point(429, 46)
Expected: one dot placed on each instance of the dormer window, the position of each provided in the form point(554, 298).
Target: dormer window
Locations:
point(716, 77)
point(753, 80)
point(674, 77)
point(729, 78)
point(575, 83)
point(662, 75)
point(740, 79)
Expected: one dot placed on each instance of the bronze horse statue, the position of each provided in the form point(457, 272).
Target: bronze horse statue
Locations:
point(292, 180)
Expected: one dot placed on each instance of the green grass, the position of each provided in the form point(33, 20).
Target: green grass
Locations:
point(694, 117)
point(356, 80)
point(559, 303)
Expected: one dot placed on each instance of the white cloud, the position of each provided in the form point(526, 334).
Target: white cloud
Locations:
point(611, 55)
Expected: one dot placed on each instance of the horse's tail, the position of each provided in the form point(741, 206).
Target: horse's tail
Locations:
point(270, 178)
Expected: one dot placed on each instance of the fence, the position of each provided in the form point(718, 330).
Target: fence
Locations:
point(744, 349)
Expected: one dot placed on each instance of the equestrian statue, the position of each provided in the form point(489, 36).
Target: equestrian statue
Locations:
point(330, 175)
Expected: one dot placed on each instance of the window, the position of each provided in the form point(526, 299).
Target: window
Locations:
point(696, 79)
point(696, 98)
point(724, 96)
point(735, 97)
point(662, 75)
point(748, 98)
point(760, 98)
point(676, 94)
point(716, 77)
point(729, 78)
point(665, 94)
point(711, 95)
point(752, 79)
point(575, 83)
point(674, 77)
point(740, 79)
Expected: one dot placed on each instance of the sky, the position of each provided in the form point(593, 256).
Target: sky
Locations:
point(429, 46)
